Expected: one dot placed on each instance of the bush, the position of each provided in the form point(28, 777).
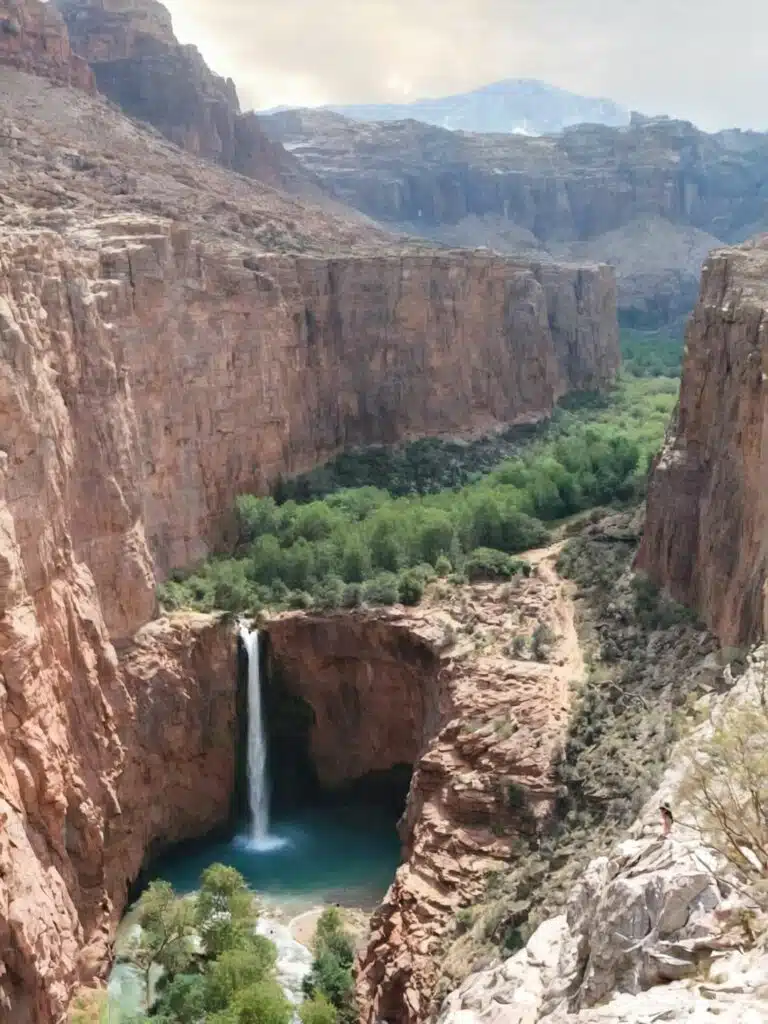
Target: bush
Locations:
point(318, 1011)
point(352, 596)
point(443, 566)
point(727, 786)
point(329, 593)
point(489, 564)
point(541, 641)
point(299, 600)
point(410, 588)
point(383, 589)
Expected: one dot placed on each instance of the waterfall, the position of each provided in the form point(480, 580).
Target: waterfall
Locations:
point(258, 785)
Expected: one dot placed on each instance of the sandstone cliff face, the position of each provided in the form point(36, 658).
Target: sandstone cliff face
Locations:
point(651, 198)
point(33, 37)
point(271, 364)
point(140, 65)
point(438, 688)
point(706, 533)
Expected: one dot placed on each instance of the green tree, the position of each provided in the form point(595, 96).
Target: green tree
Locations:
point(167, 928)
point(256, 516)
point(225, 910)
point(318, 1010)
point(331, 975)
point(355, 562)
point(183, 999)
point(237, 969)
point(262, 1003)
point(410, 588)
point(386, 552)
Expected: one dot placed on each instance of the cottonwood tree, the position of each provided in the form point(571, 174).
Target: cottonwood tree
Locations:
point(167, 930)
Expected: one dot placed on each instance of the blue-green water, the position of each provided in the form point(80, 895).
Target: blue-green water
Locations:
point(331, 854)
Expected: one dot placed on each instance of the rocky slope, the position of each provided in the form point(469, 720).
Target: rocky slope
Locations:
point(651, 198)
point(653, 931)
point(438, 688)
point(140, 65)
point(706, 536)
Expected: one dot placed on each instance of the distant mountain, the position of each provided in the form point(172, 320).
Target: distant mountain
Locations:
point(520, 106)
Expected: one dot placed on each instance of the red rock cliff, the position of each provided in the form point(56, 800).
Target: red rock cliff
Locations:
point(33, 37)
point(706, 534)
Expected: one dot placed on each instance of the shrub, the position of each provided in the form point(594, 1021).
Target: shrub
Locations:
point(382, 589)
point(329, 593)
point(237, 969)
point(299, 600)
point(352, 596)
point(727, 787)
point(318, 1011)
point(443, 566)
point(410, 588)
point(542, 641)
point(489, 564)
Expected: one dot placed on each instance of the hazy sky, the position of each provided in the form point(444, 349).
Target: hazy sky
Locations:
point(700, 59)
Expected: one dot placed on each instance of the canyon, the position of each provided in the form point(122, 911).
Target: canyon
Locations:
point(651, 198)
point(174, 334)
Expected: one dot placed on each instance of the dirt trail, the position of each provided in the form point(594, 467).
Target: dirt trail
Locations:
point(570, 663)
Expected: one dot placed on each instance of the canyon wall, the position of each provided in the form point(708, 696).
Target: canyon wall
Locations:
point(652, 198)
point(33, 37)
point(268, 365)
point(706, 533)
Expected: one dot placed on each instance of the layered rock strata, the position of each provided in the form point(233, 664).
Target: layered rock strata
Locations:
point(438, 688)
point(706, 533)
point(651, 198)
point(33, 37)
point(103, 757)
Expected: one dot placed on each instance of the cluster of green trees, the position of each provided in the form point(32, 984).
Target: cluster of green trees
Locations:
point(217, 970)
point(651, 353)
point(330, 986)
point(363, 544)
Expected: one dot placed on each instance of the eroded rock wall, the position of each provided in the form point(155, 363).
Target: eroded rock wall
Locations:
point(33, 37)
point(243, 368)
point(706, 533)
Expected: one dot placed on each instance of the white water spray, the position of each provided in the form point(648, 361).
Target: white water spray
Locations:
point(258, 783)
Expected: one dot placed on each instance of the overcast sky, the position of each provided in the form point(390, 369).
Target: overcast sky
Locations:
point(700, 59)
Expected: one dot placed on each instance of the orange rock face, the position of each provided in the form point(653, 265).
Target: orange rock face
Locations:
point(33, 37)
point(706, 533)
point(438, 688)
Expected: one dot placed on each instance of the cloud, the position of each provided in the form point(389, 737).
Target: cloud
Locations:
point(689, 58)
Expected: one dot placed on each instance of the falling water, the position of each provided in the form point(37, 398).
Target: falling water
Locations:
point(258, 787)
